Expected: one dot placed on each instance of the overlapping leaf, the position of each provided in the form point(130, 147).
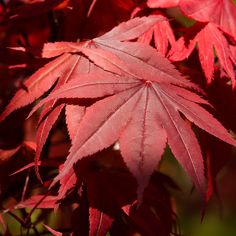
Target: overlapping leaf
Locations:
point(49, 114)
point(162, 33)
point(144, 104)
point(60, 68)
point(66, 67)
point(143, 114)
point(208, 37)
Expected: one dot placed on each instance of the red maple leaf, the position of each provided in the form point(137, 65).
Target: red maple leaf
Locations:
point(144, 104)
point(208, 37)
point(64, 68)
point(143, 114)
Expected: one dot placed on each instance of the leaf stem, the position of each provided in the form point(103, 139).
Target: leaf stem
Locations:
point(91, 8)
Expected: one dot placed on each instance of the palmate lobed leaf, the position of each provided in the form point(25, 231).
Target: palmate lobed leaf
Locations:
point(144, 103)
point(143, 116)
point(68, 66)
point(208, 37)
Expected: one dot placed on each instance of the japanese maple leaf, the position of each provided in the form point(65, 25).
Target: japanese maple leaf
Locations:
point(220, 12)
point(145, 106)
point(67, 66)
point(81, 65)
point(144, 113)
point(208, 37)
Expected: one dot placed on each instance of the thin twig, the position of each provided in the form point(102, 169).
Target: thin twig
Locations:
point(91, 7)
point(35, 231)
point(17, 218)
point(36, 205)
point(25, 186)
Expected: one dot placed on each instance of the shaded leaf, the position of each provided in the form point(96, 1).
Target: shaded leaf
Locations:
point(220, 12)
point(40, 201)
point(208, 37)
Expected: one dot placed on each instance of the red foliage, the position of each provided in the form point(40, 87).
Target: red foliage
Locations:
point(105, 67)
